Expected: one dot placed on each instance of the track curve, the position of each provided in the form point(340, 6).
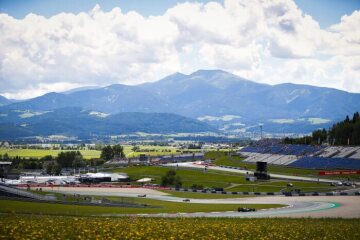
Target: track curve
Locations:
point(304, 206)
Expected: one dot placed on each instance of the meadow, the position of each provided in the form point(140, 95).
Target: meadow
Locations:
point(149, 150)
point(229, 181)
point(39, 153)
point(55, 227)
point(156, 206)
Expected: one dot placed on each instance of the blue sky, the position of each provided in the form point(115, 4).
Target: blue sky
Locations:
point(326, 12)
point(68, 44)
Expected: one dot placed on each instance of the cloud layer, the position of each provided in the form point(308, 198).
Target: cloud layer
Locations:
point(265, 41)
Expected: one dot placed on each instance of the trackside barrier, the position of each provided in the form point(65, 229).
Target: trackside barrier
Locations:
point(107, 204)
point(289, 194)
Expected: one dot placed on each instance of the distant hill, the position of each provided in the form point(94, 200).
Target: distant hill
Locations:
point(224, 100)
point(83, 124)
point(112, 99)
point(4, 101)
point(80, 89)
point(218, 93)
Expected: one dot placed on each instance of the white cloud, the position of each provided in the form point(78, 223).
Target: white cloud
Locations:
point(349, 28)
point(266, 41)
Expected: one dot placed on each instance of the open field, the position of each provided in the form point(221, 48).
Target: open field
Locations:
point(157, 206)
point(55, 227)
point(229, 181)
point(39, 153)
point(144, 149)
point(188, 177)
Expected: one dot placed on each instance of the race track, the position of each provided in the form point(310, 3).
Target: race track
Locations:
point(304, 206)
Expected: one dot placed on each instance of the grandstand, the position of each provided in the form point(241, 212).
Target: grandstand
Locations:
point(303, 156)
point(356, 155)
point(326, 163)
point(182, 157)
point(283, 149)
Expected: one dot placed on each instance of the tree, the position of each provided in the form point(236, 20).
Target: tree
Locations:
point(346, 131)
point(118, 151)
point(107, 153)
point(56, 169)
point(47, 158)
point(177, 182)
point(52, 168)
point(356, 117)
point(66, 159)
point(319, 135)
point(135, 148)
point(170, 179)
point(78, 161)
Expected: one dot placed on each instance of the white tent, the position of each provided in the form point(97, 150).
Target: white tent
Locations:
point(142, 180)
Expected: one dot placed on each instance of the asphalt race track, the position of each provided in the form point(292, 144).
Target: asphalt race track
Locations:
point(299, 206)
point(289, 211)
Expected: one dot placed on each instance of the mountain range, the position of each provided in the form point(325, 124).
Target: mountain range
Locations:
point(85, 124)
point(219, 99)
point(4, 101)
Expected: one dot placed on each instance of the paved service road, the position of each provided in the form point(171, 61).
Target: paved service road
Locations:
point(277, 176)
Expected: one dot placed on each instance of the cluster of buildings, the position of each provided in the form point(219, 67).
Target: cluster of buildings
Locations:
point(70, 180)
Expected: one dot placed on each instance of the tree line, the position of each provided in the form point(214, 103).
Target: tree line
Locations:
point(69, 159)
point(346, 132)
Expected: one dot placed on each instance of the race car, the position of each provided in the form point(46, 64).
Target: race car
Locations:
point(244, 209)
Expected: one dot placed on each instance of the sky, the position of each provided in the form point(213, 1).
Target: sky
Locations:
point(48, 46)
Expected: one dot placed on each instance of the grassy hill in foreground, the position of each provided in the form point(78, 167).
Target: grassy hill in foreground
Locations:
point(46, 227)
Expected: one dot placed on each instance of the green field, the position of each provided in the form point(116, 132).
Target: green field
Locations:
point(228, 181)
point(39, 153)
point(157, 206)
point(144, 149)
point(56, 227)
point(188, 177)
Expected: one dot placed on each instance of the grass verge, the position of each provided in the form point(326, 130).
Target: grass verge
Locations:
point(10, 206)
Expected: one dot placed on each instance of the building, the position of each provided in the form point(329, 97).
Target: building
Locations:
point(104, 177)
